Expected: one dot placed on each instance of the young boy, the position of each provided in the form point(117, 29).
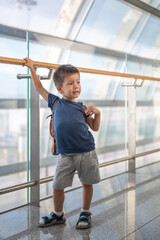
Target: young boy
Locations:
point(75, 143)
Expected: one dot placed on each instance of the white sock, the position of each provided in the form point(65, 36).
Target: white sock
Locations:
point(83, 210)
point(58, 213)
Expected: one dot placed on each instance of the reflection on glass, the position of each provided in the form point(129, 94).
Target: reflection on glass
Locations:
point(29, 14)
point(13, 132)
point(147, 43)
point(130, 213)
point(13, 127)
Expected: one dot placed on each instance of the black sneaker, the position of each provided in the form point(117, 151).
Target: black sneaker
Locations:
point(52, 219)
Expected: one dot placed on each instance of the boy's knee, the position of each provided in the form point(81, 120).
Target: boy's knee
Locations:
point(87, 185)
point(56, 191)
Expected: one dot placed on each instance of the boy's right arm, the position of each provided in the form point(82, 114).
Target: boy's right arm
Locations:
point(36, 82)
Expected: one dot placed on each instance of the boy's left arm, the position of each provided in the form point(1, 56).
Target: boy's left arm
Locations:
point(93, 122)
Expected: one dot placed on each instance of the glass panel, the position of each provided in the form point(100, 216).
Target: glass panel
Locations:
point(108, 29)
point(29, 14)
point(148, 126)
point(147, 44)
point(148, 159)
point(13, 131)
point(13, 199)
point(12, 88)
point(129, 30)
point(60, 18)
point(13, 118)
point(13, 128)
point(147, 113)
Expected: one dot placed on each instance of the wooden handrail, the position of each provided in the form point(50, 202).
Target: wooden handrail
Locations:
point(86, 70)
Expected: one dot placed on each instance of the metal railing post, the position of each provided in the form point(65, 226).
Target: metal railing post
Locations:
point(132, 127)
point(34, 145)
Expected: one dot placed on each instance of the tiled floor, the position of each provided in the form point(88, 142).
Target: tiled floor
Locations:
point(126, 206)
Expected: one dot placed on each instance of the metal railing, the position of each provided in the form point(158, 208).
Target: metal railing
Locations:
point(85, 70)
point(48, 179)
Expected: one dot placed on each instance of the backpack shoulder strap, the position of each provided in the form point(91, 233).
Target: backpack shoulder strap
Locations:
point(52, 119)
point(50, 115)
point(54, 105)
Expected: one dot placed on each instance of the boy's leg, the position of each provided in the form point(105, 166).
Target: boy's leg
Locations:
point(84, 220)
point(57, 216)
point(88, 172)
point(87, 196)
point(58, 200)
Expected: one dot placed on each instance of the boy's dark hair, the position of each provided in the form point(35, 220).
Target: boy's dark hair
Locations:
point(62, 72)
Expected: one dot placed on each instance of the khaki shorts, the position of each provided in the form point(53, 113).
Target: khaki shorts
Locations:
point(86, 165)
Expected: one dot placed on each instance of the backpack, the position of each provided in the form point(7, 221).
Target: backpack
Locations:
point(51, 129)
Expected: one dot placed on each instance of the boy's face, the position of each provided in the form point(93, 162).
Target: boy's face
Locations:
point(71, 87)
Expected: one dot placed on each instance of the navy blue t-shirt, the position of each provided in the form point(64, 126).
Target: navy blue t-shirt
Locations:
point(71, 131)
